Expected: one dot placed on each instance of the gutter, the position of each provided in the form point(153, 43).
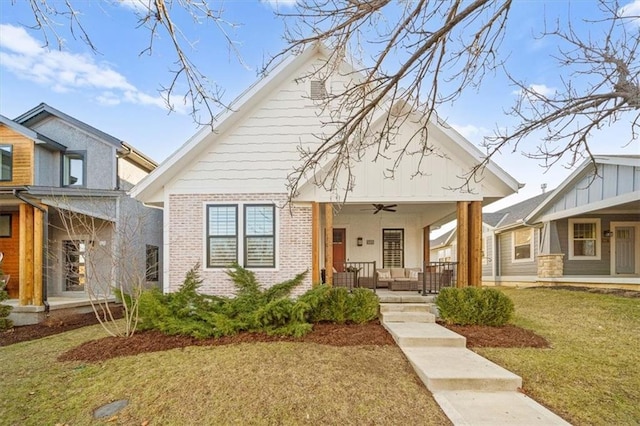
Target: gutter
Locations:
point(45, 237)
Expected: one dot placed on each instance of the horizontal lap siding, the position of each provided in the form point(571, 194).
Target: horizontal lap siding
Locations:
point(510, 268)
point(187, 242)
point(591, 267)
point(262, 150)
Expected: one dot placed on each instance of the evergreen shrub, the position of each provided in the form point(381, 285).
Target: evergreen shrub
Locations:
point(253, 308)
point(5, 310)
point(474, 306)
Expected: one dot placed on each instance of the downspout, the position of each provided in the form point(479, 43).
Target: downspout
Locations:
point(45, 237)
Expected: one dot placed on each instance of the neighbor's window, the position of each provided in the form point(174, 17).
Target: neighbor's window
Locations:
point(393, 248)
point(584, 239)
point(73, 169)
point(259, 236)
point(153, 263)
point(7, 162)
point(523, 245)
point(222, 235)
point(5, 226)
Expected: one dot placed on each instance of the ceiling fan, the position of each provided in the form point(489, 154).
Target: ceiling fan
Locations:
point(377, 208)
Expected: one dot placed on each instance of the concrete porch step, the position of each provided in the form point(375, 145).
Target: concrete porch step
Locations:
point(415, 317)
point(386, 296)
point(495, 409)
point(405, 307)
point(451, 369)
point(411, 335)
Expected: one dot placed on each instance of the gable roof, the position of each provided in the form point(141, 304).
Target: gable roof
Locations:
point(442, 240)
point(44, 111)
point(515, 214)
point(194, 145)
point(31, 134)
point(189, 151)
point(581, 173)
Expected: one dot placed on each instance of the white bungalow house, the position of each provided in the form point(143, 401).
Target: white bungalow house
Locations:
point(586, 232)
point(224, 193)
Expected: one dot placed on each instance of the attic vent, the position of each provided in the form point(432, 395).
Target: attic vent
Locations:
point(318, 89)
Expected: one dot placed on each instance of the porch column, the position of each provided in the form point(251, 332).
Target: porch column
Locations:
point(426, 244)
point(328, 243)
point(38, 241)
point(475, 243)
point(463, 243)
point(25, 286)
point(315, 243)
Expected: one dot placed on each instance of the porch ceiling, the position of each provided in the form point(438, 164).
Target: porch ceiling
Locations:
point(431, 213)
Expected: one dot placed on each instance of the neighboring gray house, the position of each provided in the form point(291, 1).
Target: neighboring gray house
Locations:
point(585, 232)
point(67, 226)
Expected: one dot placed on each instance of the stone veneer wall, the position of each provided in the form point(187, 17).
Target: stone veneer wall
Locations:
point(186, 243)
point(550, 265)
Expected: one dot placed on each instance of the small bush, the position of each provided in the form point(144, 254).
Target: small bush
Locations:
point(5, 310)
point(474, 306)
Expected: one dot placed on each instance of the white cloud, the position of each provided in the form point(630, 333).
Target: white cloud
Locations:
point(631, 10)
point(275, 4)
point(471, 132)
point(136, 5)
point(540, 89)
point(64, 71)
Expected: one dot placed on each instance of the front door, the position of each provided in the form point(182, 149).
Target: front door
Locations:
point(339, 248)
point(625, 244)
point(75, 268)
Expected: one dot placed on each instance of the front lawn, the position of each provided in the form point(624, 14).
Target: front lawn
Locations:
point(591, 375)
point(254, 383)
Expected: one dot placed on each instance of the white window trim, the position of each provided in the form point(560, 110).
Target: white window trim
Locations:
point(240, 224)
point(531, 257)
point(598, 255)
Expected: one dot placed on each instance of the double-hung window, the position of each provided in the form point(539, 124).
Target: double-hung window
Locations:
point(6, 162)
point(584, 239)
point(222, 235)
point(73, 169)
point(246, 228)
point(259, 236)
point(523, 245)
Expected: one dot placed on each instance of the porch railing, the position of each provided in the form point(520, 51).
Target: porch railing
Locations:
point(438, 275)
point(356, 274)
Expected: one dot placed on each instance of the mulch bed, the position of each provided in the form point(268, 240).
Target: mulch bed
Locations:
point(508, 336)
point(372, 333)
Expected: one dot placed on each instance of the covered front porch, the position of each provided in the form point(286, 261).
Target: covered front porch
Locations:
point(362, 245)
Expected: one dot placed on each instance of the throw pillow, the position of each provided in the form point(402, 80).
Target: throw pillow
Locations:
point(384, 275)
point(413, 274)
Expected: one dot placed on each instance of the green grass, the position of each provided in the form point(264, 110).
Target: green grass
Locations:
point(265, 383)
point(591, 376)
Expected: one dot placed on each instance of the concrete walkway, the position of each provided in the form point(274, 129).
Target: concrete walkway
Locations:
point(470, 389)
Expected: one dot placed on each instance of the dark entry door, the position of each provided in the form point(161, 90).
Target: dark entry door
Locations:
point(339, 248)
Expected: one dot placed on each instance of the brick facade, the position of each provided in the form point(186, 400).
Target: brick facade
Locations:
point(187, 246)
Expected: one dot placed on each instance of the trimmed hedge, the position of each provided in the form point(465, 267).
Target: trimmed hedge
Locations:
point(474, 306)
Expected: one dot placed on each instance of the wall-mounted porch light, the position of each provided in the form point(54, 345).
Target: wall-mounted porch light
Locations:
point(359, 241)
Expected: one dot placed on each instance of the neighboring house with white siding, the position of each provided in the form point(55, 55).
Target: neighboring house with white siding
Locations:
point(225, 198)
point(585, 232)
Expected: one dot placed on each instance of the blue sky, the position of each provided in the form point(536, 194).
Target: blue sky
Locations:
point(116, 90)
